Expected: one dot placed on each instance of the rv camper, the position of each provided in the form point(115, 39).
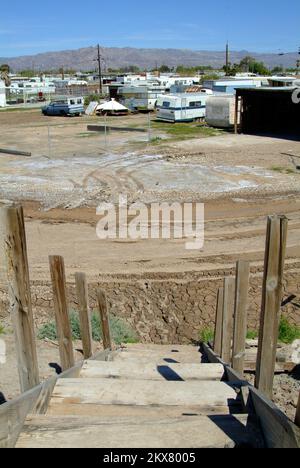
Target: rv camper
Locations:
point(141, 98)
point(181, 107)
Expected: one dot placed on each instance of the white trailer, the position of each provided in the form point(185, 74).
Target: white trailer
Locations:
point(184, 107)
point(220, 111)
point(2, 94)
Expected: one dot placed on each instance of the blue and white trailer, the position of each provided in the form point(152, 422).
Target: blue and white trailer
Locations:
point(185, 107)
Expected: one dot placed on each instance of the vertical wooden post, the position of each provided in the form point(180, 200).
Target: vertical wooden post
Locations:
point(271, 302)
point(236, 113)
point(240, 315)
point(64, 332)
point(219, 323)
point(84, 314)
point(104, 316)
point(297, 419)
point(12, 222)
point(227, 327)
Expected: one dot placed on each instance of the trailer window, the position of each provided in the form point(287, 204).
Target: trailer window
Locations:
point(166, 104)
point(79, 101)
point(72, 102)
point(195, 104)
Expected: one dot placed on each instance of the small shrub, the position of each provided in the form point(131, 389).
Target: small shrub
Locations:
point(252, 335)
point(2, 329)
point(91, 98)
point(288, 332)
point(156, 140)
point(206, 335)
point(120, 330)
point(283, 170)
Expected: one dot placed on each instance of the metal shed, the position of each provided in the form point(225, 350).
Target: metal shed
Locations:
point(267, 110)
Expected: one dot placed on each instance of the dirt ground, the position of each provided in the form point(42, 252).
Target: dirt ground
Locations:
point(242, 179)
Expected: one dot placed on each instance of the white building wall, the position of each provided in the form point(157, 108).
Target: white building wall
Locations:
point(2, 94)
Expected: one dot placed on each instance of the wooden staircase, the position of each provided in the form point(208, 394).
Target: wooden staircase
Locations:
point(146, 397)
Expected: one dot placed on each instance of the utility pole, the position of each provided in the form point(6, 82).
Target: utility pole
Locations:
point(227, 58)
point(99, 69)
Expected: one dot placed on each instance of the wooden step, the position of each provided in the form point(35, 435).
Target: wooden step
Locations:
point(160, 353)
point(186, 432)
point(159, 358)
point(161, 348)
point(137, 392)
point(139, 371)
point(150, 412)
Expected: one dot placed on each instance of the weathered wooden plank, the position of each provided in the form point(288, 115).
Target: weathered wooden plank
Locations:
point(84, 314)
point(13, 415)
point(297, 418)
point(150, 412)
point(219, 323)
point(240, 315)
point(157, 358)
point(279, 431)
point(271, 302)
point(14, 152)
point(12, 222)
point(141, 371)
point(63, 326)
point(104, 316)
point(145, 393)
point(227, 327)
point(225, 431)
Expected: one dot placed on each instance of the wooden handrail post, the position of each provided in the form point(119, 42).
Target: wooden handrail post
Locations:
point(219, 323)
point(271, 302)
point(15, 246)
point(64, 332)
point(297, 419)
point(227, 325)
point(240, 316)
point(84, 314)
point(104, 317)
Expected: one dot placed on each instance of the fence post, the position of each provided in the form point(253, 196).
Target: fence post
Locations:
point(227, 327)
point(219, 323)
point(84, 314)
point(64, 332)
point(104, 316)
point(15, 246)
point(297, 419)
point(240, 316)
point(271, 302)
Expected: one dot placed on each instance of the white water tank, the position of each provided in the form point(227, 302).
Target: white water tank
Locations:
point(2, 94)
point(220, 111)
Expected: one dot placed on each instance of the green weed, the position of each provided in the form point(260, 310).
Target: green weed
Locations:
point(120, 330)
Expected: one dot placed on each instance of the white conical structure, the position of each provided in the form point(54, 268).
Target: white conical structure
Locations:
point(112, 106)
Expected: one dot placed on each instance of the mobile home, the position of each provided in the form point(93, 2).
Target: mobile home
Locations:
point(141, 98)
point(181, 107)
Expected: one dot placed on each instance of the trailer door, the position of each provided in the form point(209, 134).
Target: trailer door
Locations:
point(183, 108)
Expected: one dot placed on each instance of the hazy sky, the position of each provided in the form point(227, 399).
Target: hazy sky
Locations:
point(262, 26)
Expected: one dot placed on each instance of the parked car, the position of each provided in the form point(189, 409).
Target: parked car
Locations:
point(73, 106)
